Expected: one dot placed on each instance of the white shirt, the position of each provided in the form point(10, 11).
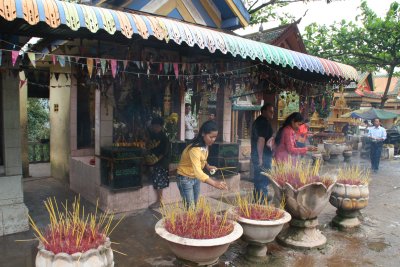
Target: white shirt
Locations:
point(377, 133)
point(190, 124)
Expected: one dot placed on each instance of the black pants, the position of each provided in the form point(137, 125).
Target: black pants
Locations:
point(376, 150)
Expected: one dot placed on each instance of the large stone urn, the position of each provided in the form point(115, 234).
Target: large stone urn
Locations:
point(335, 150)
point(203, 252)
point(257, 233)
point(102, 256)
point(349, 200)
point(304, 205)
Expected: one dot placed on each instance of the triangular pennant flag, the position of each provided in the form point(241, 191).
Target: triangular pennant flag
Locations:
point(183, 67)
point(103, 64)
point(54, 59)
point(14, 56)
point(176, 70)
point(89, 64)
point(160, 68)
point(125, 62)
point(32, 58)
point(137, 64)
point(21, 83)
point(1, 56)
point(56, 75)
point(77, 59)
point(166, 68)
point(113, 64)
point(61, 60)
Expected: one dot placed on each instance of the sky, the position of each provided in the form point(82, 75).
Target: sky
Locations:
point(323, 13)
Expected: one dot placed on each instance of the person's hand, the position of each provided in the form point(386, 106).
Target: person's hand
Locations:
point(221, 185)
point(312, 148)
point(260, 162)
point(212, 169)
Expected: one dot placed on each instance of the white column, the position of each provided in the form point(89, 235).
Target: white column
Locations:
point(13, 212)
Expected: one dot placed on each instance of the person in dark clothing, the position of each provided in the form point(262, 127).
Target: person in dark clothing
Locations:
point(346, 129)
point(158, 146)
point(261, 154)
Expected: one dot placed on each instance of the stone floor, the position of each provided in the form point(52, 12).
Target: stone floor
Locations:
point(376, 243)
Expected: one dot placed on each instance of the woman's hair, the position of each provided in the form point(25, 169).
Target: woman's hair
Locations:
point(206, 128)
point(295, 117)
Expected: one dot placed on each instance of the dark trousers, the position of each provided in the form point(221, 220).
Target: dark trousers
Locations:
point(261, 181)
point(376, 150)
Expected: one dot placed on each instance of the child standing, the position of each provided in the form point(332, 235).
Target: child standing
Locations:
point(193, 161)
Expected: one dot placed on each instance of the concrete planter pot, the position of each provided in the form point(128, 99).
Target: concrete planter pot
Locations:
point(202, 252)
point(102, 256)
point(347, 154)
point(304, 204)
point(334, 148)
point(349, 200)
point(257, 233)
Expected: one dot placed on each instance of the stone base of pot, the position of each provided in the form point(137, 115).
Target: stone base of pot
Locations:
point(256, 253)
point(302, 234)
point(186, 263)
point(334, 158)
point(345, 219)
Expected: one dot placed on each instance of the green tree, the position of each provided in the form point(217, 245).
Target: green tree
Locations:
point(38, 119)
point(265, 10)
point(370, 45)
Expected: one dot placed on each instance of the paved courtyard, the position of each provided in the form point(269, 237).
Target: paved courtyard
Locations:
point(376, 243)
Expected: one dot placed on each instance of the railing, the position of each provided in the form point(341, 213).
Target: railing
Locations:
point(39, 151)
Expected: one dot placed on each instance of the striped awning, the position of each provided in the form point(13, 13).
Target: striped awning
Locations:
point(75, 16)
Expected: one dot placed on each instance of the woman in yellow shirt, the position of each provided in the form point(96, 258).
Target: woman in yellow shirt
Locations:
point(193, 161)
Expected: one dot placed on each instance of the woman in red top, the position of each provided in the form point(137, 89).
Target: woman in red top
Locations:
point(285, 140)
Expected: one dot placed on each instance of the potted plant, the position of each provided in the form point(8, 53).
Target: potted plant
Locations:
point(350, 194)
point(306, 193)
point(73, 238)
point(198, 234)
point(261, 223)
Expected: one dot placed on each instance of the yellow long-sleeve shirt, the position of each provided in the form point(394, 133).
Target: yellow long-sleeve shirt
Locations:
point(192, 163)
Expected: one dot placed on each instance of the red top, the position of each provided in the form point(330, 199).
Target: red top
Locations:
point(301, 133)
point(287, 146)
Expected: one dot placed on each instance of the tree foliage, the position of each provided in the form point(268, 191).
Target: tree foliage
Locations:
point(265, 10)
point(38, 119)
point(370, 44)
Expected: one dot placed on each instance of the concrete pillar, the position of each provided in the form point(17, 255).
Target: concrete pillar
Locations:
point(60, 91)
point(13, 212)
point(23, 115)
point(227, 113)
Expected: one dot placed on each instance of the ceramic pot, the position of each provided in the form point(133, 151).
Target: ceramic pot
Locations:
point(257, 233)
point(102, 256)
point(202, 252)
point(349, 200)
point(304, 204)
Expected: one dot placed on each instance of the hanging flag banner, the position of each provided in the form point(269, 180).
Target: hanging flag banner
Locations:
point(69, 60)
point(176, 70)
point(32, 58)
point(14, 56)
point(1, 56)
point(77, 59)
point(113, 64)
point(89, 64)
point(54, 59)
point(61, 60)
point(160, 68)
point(103, 64)
point(125, 62)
